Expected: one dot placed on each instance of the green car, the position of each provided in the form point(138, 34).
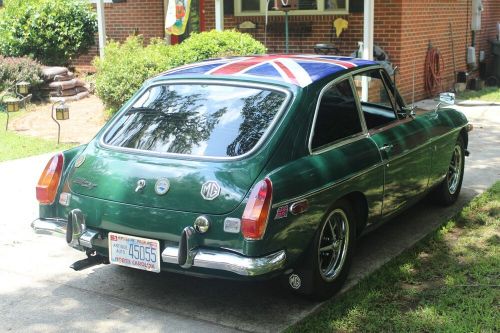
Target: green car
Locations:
point(252, 168)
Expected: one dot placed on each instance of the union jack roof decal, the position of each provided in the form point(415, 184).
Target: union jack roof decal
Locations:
point(300, 70)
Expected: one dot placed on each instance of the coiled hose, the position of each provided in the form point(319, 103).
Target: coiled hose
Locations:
point(434, 66)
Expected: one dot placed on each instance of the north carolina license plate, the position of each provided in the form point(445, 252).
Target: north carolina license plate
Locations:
point(135, 252)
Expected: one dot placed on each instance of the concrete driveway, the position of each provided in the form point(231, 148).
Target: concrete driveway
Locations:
point(39, 293)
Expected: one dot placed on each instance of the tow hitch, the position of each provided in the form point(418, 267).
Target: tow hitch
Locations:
point(93, 259)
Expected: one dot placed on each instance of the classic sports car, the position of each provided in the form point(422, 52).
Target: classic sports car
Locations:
point(252, 167)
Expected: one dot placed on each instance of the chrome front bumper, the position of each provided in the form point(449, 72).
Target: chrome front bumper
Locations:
point(199, 257)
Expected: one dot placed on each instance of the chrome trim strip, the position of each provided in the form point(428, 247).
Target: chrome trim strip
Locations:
point(445, 134)
point(230, 262)
point(322, 92)
point(55, 227)
point(338, 144)
point(424, 145)
point(327, 187)
point(289, 100)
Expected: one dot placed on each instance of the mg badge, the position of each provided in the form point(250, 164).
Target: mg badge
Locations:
point(210, 190)
point(79, 161)
point(162, 186)
point(294, 281)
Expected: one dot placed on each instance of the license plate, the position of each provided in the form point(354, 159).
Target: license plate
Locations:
point(135, 252)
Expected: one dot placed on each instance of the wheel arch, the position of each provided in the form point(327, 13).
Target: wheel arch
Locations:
point(465, 136)
point(360, 207)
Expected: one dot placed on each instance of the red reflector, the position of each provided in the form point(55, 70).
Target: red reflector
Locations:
point(255, 216)
point(46, 189)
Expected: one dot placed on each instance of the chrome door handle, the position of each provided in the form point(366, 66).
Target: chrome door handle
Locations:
point(386, 148)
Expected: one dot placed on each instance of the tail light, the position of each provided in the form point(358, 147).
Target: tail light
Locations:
point(46, 189)
point(255, 216)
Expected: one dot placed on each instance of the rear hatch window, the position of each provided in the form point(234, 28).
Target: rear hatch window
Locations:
point(205, 120)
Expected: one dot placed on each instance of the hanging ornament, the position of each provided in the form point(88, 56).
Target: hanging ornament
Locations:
point(177, 16)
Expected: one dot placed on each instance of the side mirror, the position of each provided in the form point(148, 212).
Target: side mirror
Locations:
point(447, 98)
point(409, 111)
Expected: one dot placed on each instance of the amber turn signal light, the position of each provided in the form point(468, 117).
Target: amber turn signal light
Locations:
point(46, 189)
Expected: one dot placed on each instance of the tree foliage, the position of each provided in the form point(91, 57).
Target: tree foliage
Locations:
point(51, 31)
point(127, 65)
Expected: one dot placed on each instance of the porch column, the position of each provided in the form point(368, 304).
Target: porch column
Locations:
point(368, 19)
point(101, 25)
point(219, 15)
point(165, 9)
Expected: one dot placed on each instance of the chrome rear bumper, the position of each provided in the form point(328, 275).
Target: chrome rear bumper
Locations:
point(83, 237)
point(55, 227)
point(78, 237)
point(228, 261)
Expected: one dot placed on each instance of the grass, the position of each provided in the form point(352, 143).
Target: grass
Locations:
point(14, 146)
point(491, 94)
point(448, 282)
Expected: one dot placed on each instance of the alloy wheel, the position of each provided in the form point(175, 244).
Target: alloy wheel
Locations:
point(454, 170)
point(333, 244)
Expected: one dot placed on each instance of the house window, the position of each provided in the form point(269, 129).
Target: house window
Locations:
point(305, 7)
point(250, 5)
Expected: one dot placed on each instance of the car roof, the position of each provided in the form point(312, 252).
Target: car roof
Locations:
point(298, 69)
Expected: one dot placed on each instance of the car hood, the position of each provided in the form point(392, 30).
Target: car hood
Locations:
point(115, 176)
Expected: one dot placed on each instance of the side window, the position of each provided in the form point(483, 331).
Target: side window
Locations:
point(338, 116)
point(376, 101)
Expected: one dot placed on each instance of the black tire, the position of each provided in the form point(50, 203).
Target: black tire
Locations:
point(328, 259)
point(447, 192)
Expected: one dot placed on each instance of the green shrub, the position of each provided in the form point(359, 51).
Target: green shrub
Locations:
point(213, 44)
point(13, 70)
point(51, 31)
point(126, 66)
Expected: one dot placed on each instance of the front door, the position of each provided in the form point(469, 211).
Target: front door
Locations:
point(401, 142)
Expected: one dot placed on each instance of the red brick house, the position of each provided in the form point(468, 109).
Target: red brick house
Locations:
point(402, 28)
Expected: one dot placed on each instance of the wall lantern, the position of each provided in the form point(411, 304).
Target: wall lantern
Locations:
point(23, 87)
point(62, 113)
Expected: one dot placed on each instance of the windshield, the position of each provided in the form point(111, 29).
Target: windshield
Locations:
point(198, 120)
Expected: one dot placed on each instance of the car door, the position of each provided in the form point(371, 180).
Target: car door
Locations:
point(402, 141)
point(346, 159)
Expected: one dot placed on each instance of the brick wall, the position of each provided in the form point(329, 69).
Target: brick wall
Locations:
point(429, 20)
point(144, 17)
point(387, 30)
point(403, 28)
